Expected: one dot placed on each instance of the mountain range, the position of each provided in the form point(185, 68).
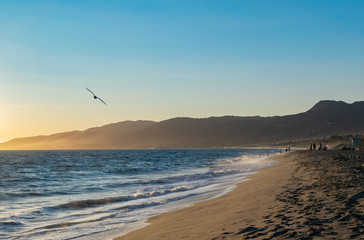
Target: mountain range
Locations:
point(324, 119)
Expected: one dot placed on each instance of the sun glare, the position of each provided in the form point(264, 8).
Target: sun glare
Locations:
point(3, 125)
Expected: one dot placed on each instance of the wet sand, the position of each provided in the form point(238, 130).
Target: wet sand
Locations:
point(308, 195)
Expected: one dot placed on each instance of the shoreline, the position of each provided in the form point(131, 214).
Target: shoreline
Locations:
point(230, 186)
point(295, 198)
point(170, 225)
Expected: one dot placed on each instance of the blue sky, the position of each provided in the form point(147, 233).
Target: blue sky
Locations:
point(161, 59)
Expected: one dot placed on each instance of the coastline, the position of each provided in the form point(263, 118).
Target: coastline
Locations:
point(296, 198)
point(219, 216)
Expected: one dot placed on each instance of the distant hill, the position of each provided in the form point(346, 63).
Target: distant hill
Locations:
point(324, 119)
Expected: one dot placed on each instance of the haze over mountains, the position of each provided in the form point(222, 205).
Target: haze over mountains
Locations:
point(324, 119)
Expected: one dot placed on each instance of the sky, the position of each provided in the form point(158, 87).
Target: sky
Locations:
point(155, 60)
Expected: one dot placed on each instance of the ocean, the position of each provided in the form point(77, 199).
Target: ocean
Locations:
point(101, 194)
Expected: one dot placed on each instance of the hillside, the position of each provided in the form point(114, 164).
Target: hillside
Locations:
point(325, 119)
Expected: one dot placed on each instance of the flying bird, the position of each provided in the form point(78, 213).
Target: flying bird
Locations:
point(95, 97)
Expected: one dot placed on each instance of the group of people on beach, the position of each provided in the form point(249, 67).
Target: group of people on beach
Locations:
point(320, 147)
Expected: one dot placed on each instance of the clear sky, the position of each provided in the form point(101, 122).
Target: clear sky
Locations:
point(154, 60)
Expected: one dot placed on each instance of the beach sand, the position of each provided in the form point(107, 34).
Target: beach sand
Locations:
point(308, 195)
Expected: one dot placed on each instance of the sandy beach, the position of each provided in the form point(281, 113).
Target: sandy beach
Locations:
point(307, 195)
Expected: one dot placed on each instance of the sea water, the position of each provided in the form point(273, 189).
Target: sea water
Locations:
point(101, 194)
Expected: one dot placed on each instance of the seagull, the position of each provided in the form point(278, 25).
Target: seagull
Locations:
point(95, 97)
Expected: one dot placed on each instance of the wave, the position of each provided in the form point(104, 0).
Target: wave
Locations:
point(10, 223)
point(228, 171)
point(10, 226)
point(197, 176)
point(115, 215)
point(103, 201)
point(68, 224)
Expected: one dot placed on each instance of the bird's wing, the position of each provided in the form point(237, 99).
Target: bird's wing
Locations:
point(90, 91)
point(102, 101)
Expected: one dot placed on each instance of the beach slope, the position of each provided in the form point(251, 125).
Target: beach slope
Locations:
point(309, 194)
